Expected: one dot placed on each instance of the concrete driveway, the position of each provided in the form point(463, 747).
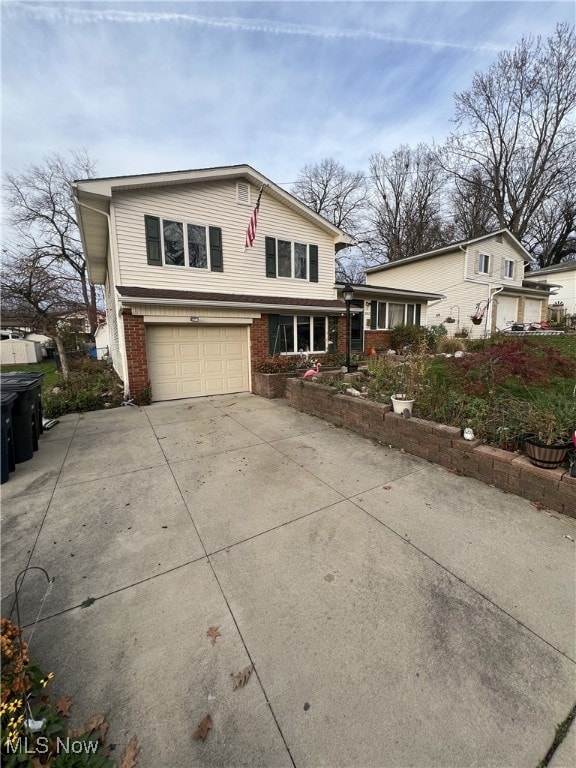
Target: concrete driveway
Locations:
point(395, 614)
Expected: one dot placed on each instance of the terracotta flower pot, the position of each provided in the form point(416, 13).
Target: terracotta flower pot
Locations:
point(543, 455)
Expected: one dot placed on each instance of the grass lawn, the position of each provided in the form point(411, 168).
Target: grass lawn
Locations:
point(48, 368)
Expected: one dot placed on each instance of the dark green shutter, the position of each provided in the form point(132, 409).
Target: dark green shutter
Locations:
point(153, 248)
point(313, 263)
point(270, 257)
point(273, 324)
point(215, 237)
point(418, 314)
point(373, 315)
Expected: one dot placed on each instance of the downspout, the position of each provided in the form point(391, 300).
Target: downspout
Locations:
point(113, 252)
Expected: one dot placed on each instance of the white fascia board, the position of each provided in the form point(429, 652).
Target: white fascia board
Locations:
point(128, 300)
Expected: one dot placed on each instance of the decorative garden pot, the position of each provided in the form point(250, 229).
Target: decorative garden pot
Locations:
point(545, 455)
point(400, 403)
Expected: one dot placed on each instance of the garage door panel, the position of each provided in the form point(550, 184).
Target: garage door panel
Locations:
point(191, 361)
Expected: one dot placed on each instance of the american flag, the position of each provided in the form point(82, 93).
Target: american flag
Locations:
point(251, 231)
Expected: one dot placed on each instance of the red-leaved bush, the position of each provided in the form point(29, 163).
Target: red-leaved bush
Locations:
point(522, 359)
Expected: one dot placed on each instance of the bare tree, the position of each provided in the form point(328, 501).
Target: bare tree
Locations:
point(516, 132)
point(551, 237)
point(333, 191)
point(39, 295)
point(472, 207)
point(40, 209)
point(407, 214)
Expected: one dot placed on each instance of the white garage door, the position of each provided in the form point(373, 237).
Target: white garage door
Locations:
point(506, 312)
point(532, 310)
point(192, 361)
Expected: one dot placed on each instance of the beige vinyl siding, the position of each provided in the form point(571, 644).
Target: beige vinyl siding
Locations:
point(173, 313)
point(439, 274)
point(498, 253)
point(113, 322)
point(214, 204)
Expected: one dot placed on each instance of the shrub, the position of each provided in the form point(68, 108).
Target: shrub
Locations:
point(436, 334)
point(278, 364)
point(406, 336)
point(91, 385)
point(449, 346)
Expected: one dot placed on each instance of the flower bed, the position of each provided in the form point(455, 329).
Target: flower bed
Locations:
point(438, 443)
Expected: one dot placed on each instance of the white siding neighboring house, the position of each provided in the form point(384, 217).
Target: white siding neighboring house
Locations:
point(561, 276)
point(483, 277)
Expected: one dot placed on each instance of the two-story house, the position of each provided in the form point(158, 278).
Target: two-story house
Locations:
point(481, 279)
point(191, 310)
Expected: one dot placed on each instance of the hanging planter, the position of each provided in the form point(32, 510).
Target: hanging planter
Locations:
point(450, 320)
point(476, 320)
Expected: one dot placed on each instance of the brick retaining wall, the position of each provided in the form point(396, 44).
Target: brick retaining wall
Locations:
point(439, 444)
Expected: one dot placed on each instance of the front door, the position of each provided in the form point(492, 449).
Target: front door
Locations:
point(357, 327)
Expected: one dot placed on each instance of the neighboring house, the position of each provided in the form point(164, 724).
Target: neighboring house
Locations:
point(102, 341)
point(561, 276)
point(190, 310)
point(482, 278)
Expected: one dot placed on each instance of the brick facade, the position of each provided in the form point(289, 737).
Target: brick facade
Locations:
point(440, 444)
point(376, 340)
point(137, 377)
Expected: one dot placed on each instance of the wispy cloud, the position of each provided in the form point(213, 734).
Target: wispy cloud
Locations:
point(61, 14)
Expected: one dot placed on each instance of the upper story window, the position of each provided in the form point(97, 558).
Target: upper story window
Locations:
point(298, 261)
point(388, 314)
point(483, 263)
point(182, 244)
point(509, 268)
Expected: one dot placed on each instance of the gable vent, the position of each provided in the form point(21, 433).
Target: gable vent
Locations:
point(243, 193)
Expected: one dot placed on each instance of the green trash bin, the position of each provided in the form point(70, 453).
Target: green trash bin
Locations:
point(24, 418)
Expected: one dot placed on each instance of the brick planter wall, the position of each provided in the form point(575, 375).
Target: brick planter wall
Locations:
point(439, 444)
point(271, 385)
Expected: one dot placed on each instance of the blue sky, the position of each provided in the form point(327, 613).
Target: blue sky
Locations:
point(163, 86)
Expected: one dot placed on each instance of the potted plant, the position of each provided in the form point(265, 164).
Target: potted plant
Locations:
point(548, 444)
point(463, 333)
point(411, 377)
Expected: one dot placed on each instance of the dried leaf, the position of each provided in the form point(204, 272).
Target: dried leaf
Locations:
point(213, 634)
point(130, 753)
point(97, 723)
point(204, 726)
point(386, 487)
point(538, 505)
point(240, 679)
point(63, 706)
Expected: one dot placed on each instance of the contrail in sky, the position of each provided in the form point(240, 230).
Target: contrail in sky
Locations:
point(65, 14)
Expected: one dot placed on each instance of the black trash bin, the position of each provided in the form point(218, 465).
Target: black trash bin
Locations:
point(8, 462)
point(37, 378)
point(24, 418)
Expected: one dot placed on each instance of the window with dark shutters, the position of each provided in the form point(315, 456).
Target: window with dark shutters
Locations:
point(270, 257)
point(216, 263)
point(153, 245)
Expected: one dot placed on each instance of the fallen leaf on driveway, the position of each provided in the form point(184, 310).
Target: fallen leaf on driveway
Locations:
point(97, 723)
point(538, 505)
point(566, 536)
point(63, 706)
point(386, 487)
point(213, 634)
point(240, 679)
point(130, 753)
point(204, 726)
